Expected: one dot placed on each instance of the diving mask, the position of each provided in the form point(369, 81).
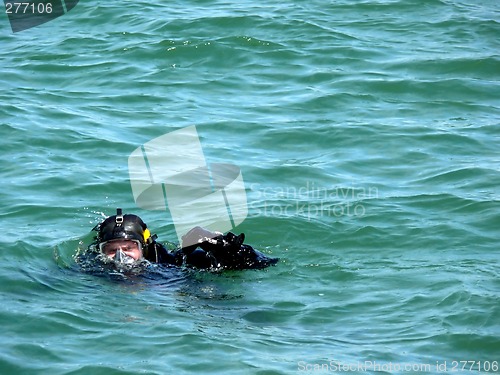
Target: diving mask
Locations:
point(122, 251)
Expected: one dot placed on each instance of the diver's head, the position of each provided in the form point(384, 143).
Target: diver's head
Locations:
point(123, 238)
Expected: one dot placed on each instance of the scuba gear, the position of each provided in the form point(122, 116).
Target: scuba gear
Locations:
point(122, 258)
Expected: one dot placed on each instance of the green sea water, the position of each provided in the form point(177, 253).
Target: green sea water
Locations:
point(368, 137)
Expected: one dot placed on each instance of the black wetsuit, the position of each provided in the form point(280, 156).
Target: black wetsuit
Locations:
point(207, 250)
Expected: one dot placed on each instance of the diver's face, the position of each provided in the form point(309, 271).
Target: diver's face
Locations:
point(131, 248)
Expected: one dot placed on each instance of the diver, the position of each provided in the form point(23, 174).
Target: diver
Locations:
point(126, 240)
